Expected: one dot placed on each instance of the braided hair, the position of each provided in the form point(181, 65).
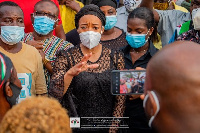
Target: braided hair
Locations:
point(90, 10)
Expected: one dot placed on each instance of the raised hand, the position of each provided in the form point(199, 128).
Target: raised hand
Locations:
point(82, 66)
point(78, 68)
point(73, 5)
point(38, 45)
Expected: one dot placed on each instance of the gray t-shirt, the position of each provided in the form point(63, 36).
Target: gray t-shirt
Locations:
point(168, 22)
point(122, 16)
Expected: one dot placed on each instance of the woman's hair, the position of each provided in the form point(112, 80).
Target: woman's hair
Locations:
point(36, 114)
point(147, 15)
point(100, 3)
point(90, 10)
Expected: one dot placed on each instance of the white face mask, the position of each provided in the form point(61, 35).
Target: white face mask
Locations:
point(194, 11)
point(130, 5)
point(90, 39)
point(157, 104)
point(196, 18)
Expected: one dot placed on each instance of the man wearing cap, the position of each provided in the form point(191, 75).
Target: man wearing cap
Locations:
point(10, 85)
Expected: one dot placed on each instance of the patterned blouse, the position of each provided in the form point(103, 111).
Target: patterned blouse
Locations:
point(51, 47)
point(191, 35)
point(116, 43)
point(89, 94)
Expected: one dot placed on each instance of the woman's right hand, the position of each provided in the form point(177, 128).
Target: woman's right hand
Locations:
point(81, 66)
point(75, 70)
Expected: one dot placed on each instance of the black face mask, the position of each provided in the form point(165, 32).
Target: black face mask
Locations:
point(16, 91)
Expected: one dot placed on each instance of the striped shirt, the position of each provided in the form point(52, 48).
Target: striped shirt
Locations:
point(51, 47)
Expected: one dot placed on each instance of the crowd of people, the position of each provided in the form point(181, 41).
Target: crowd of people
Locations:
point(56, 59)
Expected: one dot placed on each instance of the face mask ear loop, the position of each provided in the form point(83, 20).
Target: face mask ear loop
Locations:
point(148, 36)
point(147, 32)
point(145, 100)
point(102, 29)
point(157, 110)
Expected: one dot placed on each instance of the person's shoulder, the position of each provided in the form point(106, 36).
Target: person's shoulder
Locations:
point(68, 51)
point(152, 48)
point(27, 37)
point(120, 30)
point(125, 49)
point(65, 44)
point(29, 48)
point(31, 51)
point(121, 10)
point(172, 12)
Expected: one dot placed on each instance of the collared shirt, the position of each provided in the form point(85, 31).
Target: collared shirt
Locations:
point(51, 47)
point(142, 61)
point(122, 17)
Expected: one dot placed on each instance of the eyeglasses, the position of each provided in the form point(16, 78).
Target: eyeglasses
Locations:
point(52, 16)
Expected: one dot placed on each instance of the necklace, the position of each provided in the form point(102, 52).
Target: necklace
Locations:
point(139, 51)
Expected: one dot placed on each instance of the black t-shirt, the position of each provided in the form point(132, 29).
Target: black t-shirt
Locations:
point(138, 123)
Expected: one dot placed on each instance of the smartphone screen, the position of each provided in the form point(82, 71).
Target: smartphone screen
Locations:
point(127, 82)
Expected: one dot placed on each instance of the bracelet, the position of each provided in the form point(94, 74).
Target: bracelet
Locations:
point(45, 61)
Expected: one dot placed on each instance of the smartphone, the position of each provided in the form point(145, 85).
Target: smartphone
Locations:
point(127, 82)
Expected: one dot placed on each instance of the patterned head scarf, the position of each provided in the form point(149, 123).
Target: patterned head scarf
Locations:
point(130, 5)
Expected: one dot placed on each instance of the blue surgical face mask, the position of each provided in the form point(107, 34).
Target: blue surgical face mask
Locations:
point(110, 22)
point(136, 40)
point(11, 34)
point(43, 24)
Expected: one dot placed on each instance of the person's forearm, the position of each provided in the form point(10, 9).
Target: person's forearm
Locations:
point(77, 9)
point(147, 4)
point(60, 32)
point(49, 67)
point(67, 81)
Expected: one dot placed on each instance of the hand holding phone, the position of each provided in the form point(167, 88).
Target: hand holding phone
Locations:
point(128, 82)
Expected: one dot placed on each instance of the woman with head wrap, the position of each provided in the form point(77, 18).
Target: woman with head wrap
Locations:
point(81, 76)
point(10, 85)
point(112, 36)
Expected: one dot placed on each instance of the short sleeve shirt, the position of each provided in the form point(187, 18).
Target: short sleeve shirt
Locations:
point(168, 22)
